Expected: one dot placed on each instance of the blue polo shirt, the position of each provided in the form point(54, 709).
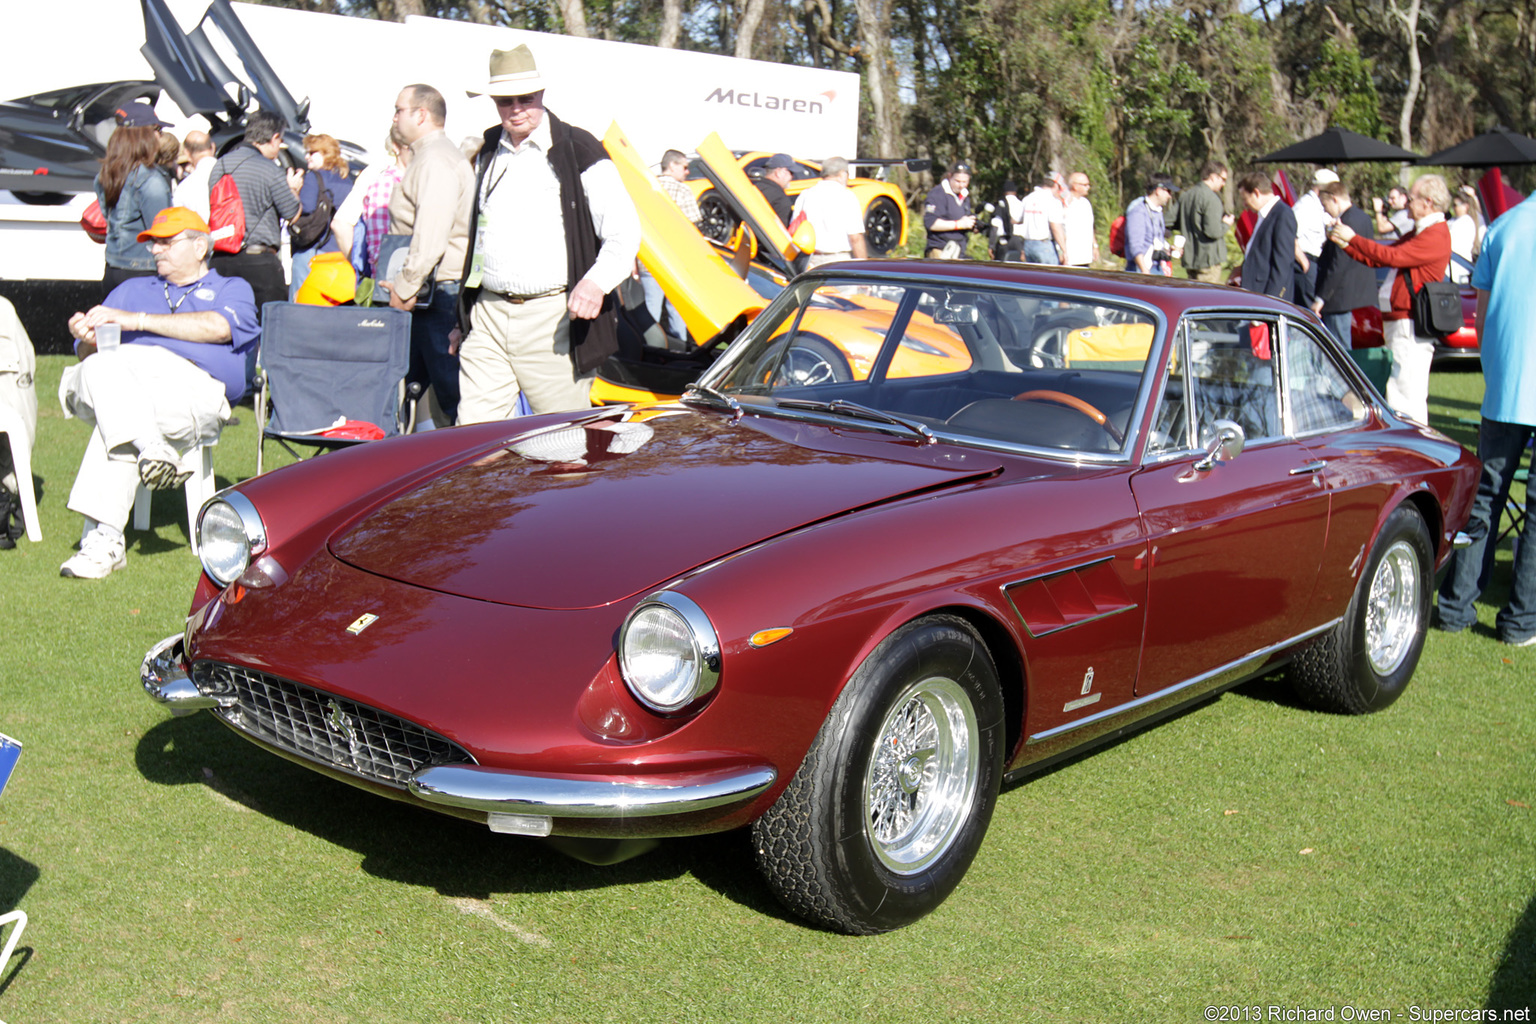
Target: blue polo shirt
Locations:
point(1503, 270)
point(230, 297)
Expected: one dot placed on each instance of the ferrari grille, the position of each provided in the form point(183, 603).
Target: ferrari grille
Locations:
point(334, 731)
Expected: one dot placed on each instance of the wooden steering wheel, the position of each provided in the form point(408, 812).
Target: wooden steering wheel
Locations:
point(1073, 402)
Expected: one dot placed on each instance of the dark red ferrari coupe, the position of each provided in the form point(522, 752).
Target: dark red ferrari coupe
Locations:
point(836, 601)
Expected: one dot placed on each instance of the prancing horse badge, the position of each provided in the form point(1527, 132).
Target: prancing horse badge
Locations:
point(362, 622)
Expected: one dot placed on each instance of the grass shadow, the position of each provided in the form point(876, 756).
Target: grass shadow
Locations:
point(1513, 985)
point(17, 876)
point(407, 844)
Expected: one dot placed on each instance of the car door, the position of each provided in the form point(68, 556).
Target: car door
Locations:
point(1234, 541)
point(1329, 415)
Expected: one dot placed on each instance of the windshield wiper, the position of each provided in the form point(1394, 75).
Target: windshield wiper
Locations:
point(843, 407)
point(705, 395)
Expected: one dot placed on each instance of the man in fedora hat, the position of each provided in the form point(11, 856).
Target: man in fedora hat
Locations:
point(431, 204)
point(555, 234)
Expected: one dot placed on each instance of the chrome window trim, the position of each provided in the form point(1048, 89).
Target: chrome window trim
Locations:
point(1330, 349)
point(1126, 455)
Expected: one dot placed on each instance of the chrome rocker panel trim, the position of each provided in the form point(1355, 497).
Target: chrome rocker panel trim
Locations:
point(504, 792)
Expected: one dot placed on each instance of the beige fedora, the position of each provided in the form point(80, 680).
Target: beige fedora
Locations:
point(513, 73)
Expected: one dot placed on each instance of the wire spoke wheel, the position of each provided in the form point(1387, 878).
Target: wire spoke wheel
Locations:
point(922, 775)
point(1392, 608)
point(892, 801)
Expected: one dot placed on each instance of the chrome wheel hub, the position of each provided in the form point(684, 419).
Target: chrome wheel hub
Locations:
point(1392, 608)
point(922, 777)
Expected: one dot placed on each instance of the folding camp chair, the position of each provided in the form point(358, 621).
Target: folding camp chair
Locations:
point(324, 364)
point(1514, 511)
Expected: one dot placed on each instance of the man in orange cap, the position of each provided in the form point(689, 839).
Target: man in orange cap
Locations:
point(160, 362)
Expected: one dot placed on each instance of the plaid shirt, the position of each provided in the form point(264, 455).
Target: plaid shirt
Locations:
point(376, 210)
point(682, 195)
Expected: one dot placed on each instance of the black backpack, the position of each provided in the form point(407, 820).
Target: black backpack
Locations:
point(11, 524)
point(309, 230)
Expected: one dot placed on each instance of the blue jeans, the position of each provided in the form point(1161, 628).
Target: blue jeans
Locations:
point(431, 362)
point(1041, 251)
point(662, 311)
point(1341, 326)
point(1500, 446)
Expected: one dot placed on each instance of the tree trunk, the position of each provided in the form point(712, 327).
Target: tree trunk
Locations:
point(574, 12)
point(746, 28)
point(1410, 20)
point(671, 24)
point(875, 39)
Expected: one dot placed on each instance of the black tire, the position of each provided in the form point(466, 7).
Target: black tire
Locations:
point(812, 360)
point(1365, 662)
point(882, 226)
point(892, 802)
point(718, 221)
point(43, 198)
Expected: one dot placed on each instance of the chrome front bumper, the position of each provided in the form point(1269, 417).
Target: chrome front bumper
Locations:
point(526, 804)
point(165, 679)
point(520, 803)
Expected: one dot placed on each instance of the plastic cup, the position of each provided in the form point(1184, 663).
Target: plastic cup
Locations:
point(1178, 241)
point(108, 337)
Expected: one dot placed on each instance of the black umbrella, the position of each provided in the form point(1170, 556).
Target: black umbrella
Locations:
point(1336, 146)
point(1490, 149)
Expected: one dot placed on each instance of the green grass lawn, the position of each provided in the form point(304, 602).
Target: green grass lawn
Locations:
point(1247, 854)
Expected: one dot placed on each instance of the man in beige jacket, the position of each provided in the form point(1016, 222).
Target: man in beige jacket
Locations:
point(432, 205)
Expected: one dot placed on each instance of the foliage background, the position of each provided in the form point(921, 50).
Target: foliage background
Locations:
point(1118, 88)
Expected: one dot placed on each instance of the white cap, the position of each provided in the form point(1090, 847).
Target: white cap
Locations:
point(1324, 177)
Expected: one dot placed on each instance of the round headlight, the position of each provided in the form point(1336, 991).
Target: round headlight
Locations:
point(668, 652)
point(229, 530)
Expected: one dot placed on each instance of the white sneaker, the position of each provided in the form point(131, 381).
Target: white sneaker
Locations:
point(100, 555)
point(160, 468)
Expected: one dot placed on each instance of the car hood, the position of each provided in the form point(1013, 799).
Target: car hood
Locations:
point(586, 514)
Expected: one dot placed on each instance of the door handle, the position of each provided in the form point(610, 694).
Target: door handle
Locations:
point(1311, 467)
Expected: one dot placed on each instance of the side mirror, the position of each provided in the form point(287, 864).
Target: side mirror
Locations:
point(804, 237)
point(1224, 447)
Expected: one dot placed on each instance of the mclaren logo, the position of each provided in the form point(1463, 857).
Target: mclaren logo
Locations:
point(761, 101)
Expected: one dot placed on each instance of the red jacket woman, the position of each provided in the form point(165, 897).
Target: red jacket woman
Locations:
point(1423, 255)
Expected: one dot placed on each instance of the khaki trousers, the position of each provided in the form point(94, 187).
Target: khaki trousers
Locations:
point(134, 395)
point(518, 347)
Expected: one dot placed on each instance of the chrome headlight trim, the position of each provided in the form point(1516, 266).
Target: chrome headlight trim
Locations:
point(704, 654)
point(254, 530)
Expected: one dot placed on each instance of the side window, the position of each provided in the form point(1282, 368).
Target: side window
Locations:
point(1231, 376)
point(1318, 394)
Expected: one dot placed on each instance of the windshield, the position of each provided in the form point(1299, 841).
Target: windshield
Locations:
point(984, 364)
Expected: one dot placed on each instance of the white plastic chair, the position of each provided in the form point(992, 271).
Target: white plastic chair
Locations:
point(21, 460)
point(199, 488)
point(19, 917)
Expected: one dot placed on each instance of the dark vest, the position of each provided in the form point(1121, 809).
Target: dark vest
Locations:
point(572, 150)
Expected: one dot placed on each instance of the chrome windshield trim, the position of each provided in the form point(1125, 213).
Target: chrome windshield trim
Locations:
point(1233, 671)
point(506, 792)
point(851, 271)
